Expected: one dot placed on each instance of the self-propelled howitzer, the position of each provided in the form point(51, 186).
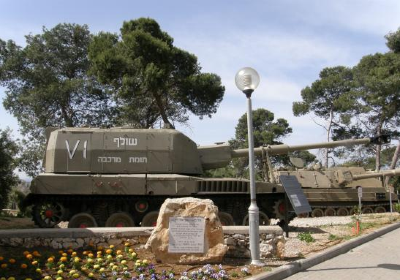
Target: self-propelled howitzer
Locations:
point(121, 176)
point(334, 191)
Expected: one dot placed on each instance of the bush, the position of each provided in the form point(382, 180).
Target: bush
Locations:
point(306, 236)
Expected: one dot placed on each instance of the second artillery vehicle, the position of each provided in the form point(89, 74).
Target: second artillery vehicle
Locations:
point(334, 191)
point(121, 176)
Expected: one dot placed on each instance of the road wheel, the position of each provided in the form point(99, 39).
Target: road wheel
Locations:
point(317, 212)
point(342, 211)
point(150, 219)
point(226, 219)
point(330, 212)
point(48, 214)
point(367, 210)
point(82, 220)
point(121, 219)
point(304, 215)
point(380, 209)
point(263, 219)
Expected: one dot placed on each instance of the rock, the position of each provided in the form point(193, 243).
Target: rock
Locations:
point(214, 250)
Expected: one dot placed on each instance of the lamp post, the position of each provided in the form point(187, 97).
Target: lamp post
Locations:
point(247, 80)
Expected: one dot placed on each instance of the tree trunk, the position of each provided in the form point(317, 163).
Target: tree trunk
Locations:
point(328, 136)
point(394, 161)
point(164, 116)
point(378, 148)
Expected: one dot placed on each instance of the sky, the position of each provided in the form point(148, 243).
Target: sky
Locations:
point(288, 42)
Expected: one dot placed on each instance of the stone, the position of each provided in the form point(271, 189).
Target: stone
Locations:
point(280, 249)
point(214, 250)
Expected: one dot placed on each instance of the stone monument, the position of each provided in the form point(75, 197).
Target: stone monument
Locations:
point(188, 231)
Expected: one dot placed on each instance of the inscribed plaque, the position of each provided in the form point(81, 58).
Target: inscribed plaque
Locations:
point(186, 235)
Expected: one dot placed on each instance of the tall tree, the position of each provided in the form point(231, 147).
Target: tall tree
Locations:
point(327, 97)
point(266, 131)
point(378, 91)
point(155, 79)
point(48, 85)
point(8, 162)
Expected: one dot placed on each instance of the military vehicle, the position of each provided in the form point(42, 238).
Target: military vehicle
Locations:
point(121, 176)
point(334, 191)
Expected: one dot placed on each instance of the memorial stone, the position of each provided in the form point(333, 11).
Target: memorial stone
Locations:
point(188, 231)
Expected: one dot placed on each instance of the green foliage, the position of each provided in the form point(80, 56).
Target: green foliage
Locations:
point(8, 153)
point(396, 207)
point(266, 131)
point(328, 97)
point(48, 85)
point(306, 236)
point(153, 78)
point(393, 41)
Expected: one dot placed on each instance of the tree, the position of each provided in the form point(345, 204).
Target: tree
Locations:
point(267, 131)
point(155, 79)
point(327, 97)
point(378, 96)
point(8, 162)
point(48, 85)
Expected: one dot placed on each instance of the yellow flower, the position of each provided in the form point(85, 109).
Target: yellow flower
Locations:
point(47, 277)
point(85, 253)
point(111, 246)
point(70, 251)
point(29, 256)
point(59, 278)
point(72, 271)
point(102, 269)
point(76, 275)
point(109, 251)
point(3, 265)
point(25, 253)
point(100, 248)
point(109, 257)
point(145, 261)
point(119, 252)
point(127, 244)
point(28, 278)
point(90, 255)
point(59, 272)
point(115, 267)
point(90, 275)
point(120, 256)
point(73, 254)
point(61, 252)
point(11, 278)
point(63, 259)
point(90, 260)
point(50, 260)
point(34, 263)
point(12, 261)
point(76, 259)
point(99, 260)
point(134, 255)
point(123, 262)
point(96, 266)
point(62, 266)
point(64, 254)
point(38, 270)
point(130, 250)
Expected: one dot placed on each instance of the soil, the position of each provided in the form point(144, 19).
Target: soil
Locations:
point(323, 235)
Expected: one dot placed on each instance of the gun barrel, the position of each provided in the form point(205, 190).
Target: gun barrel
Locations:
point(284, 149)
point(393, 172)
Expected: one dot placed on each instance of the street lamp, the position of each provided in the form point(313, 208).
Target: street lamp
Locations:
point(247, 80)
